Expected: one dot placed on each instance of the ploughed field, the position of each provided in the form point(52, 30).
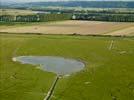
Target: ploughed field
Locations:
point(75, 27)
point(108, 73)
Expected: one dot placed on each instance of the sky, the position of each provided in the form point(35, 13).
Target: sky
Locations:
point(55, 0)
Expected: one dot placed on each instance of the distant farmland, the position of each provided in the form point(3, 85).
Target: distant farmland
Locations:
point(15, 12)
point(75, 27)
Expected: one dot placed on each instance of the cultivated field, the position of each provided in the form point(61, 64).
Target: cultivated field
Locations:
point(76, 27)
point(108, 75)
point(15, 12)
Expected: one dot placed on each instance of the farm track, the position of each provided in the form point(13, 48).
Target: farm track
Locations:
point(111, 45)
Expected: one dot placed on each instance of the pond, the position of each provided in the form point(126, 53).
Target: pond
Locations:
point(58, 65)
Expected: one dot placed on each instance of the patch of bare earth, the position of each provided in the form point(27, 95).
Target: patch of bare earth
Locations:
point(77, 27)
point(126, 31)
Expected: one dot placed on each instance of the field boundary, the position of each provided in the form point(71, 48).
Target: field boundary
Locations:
point(94, 35)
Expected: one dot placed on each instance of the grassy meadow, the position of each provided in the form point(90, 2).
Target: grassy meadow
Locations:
point(108, 75)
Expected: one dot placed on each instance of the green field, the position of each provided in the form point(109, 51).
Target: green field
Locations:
point(108, 75)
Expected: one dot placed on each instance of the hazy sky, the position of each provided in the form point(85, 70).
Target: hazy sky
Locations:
point(56, 0)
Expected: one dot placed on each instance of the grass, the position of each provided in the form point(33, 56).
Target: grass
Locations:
point(109, 73)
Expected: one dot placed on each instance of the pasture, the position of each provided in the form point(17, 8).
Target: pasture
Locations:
point(108, 75)
point(76, 27)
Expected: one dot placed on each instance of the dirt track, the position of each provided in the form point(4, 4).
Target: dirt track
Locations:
point(78, 27)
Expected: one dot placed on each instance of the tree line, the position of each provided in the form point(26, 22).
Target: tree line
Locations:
point(105, 17)
point(35, 18)
point(58, 17)
point(54, 17)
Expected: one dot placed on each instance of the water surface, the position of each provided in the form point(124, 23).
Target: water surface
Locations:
point(56, 65)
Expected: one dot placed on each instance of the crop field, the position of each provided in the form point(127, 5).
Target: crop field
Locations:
point(76, 27)
point(108, 72)
point(15, 12)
